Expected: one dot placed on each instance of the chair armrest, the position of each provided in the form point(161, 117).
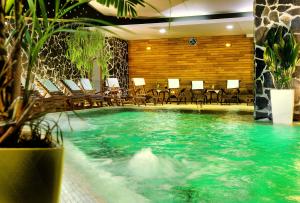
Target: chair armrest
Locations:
point(151, 90)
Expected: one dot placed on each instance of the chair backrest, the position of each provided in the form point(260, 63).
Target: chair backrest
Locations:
point(173, 83)
point(46, 88)
point(198, 85)
point(139, 86)
point(49, 86)
point(72, 85)
point(112, 82)
point(138, 81)
point(72, 88)
point(233, 84)
point(86, 84)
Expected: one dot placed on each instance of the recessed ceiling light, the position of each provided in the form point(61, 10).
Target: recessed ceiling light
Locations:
point(228, 44)
point(229, 27)
point(148, 48)
point(162, 30)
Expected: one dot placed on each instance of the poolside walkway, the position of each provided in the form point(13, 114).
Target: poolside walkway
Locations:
point(75, 187)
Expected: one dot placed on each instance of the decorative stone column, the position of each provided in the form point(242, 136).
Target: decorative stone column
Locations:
point(118, 65)
point(266, 13)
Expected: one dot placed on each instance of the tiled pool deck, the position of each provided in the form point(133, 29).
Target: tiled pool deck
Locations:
point(75, 189)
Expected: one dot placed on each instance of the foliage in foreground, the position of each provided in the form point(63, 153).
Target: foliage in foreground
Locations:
point(281, 55)
point(15, 107)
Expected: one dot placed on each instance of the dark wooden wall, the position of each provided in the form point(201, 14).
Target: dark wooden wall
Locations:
point(209, 60)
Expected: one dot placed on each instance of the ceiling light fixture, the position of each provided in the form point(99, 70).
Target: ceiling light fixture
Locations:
point(148, 48)
point(162, 30)
point(228, 45)
point(229, 27)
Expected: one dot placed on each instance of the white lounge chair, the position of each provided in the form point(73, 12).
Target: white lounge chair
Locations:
point(76, 94)
point(94, 96)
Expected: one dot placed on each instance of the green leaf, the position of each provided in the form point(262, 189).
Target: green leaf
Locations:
point(83, 51)
point(66, 10)
point(43, 12)
point(12, 34)
point(57, 4)
point(125, 8)
point(281, 54)
point(9, 4)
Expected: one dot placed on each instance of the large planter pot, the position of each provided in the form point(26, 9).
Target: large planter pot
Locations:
point(282, 101)
point(30, 174)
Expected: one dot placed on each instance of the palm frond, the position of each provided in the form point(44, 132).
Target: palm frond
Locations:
point(125, 8)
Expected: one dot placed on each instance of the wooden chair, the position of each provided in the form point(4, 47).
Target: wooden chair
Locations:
point(231, 93)
point(41, 104)
point(50, 96)
point(198, 92)
point(175, 92)
point(77, 96)
point(141, 92)
point(119, 95)
point(92, 95)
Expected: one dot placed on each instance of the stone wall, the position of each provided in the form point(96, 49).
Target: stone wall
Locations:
point(268, 12)
point(54, 65)
point(118, 65)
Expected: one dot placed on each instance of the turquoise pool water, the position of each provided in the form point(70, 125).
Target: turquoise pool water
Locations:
point(172, 156)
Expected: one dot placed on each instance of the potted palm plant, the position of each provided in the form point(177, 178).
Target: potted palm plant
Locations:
point(281, 56)
point(31, 152)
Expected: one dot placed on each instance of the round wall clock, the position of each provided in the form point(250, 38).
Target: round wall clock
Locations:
point(192, 41)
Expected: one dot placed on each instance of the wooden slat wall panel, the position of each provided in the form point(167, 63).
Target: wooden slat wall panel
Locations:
point(209, 60)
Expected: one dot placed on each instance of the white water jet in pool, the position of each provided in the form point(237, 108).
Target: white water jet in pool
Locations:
point(96, 180)
point(144, 164)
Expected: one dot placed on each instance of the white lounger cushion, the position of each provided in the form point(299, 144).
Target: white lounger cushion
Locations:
point(173, 83)
point(112, 82)
point(86, 84)
point(138, 81)
point(72, 85)
point(49, 85)
point(231, 84)
point(197, 85)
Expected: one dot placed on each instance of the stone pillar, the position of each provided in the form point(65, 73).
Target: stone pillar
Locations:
point(266, 13)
